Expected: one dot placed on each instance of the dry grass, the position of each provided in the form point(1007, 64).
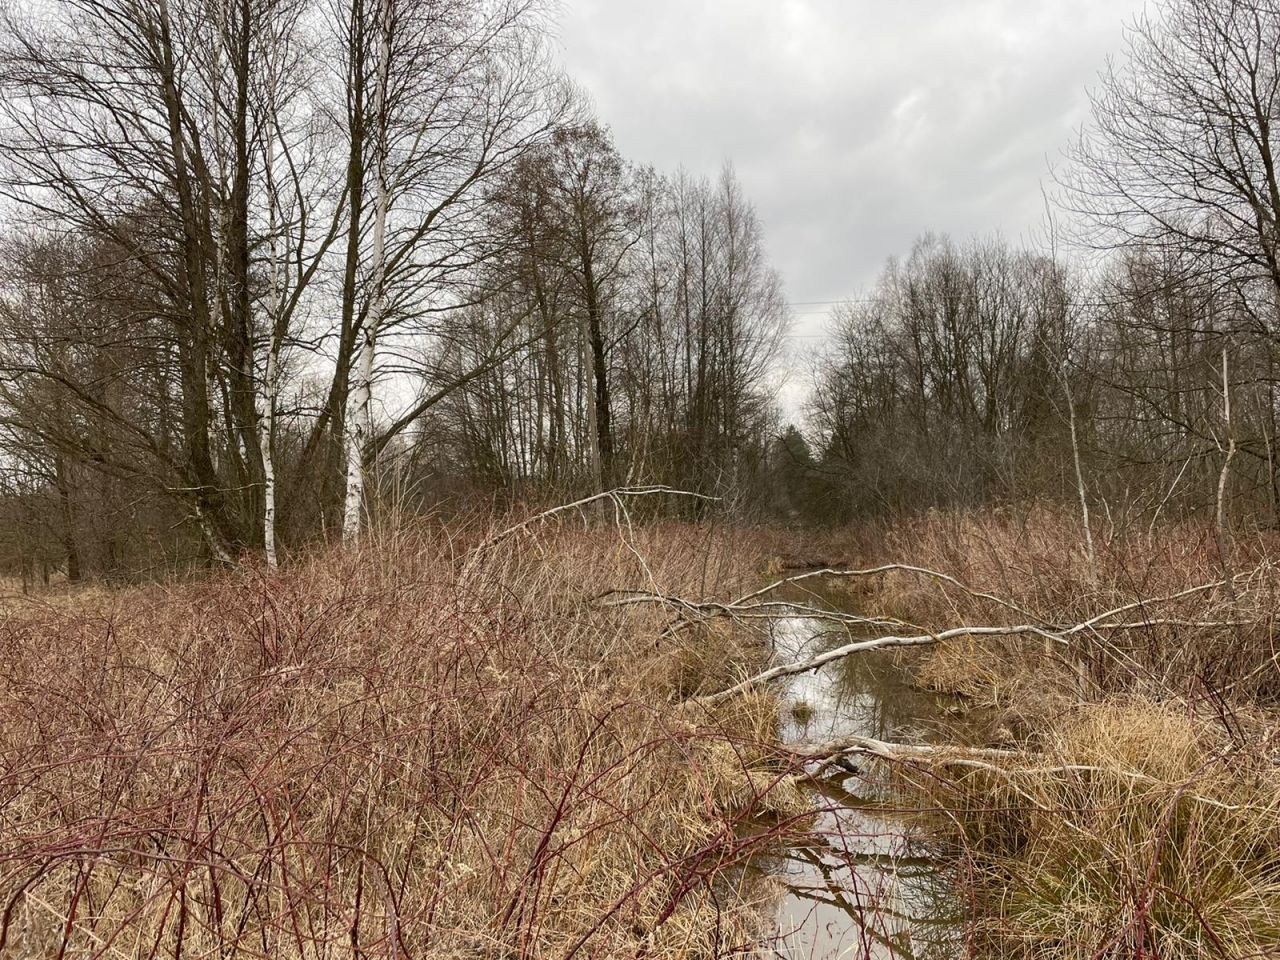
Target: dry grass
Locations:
point(371, 755)
point(397, 753)
point(1155, 838)
point(1152, 829)
point(1034, 557)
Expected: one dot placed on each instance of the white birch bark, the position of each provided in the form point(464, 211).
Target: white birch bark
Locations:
point(1224, 534)
point(357, 435)
point(266, 433)
point(267, 396)
point(359, 426)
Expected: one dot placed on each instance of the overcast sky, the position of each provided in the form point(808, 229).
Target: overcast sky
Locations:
point(855, 125)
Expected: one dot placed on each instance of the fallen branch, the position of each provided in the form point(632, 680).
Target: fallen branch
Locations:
point(1055, 633)
point(614, 496)
point(1166, 622)
point(727, 609)
point(878, 643)
point(1094, 622)
point(837, 574)
point(738, 610)
point(981, 758)
point(856, 744)
point(747, 606)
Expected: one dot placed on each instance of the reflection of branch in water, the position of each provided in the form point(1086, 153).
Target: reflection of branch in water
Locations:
point(872, 893)
point(833, 786)
point(857, 694)
point(873, 905)
point(897, 902)
point(927, 932)
point(832, 796)
point(838, 889)
point(905, 863)
point(905, 882)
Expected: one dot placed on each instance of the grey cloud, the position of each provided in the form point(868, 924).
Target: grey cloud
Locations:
point(854, 125)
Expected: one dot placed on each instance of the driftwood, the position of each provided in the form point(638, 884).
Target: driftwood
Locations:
point(863, 646)
point(895, 752)
point(1007, 764)
point(753, 605)
point(1012, 765)
point(840, 574)
point(693, 611)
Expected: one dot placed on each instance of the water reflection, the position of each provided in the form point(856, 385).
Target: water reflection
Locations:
point(862, 885)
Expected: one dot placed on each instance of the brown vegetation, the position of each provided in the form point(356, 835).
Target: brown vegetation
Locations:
point(373, 755)
point(1139, 814)
point(287, 268)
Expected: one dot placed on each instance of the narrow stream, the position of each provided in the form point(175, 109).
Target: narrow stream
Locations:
point(862, 885)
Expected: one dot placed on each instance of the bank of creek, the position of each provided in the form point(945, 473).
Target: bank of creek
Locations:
point(862, 883)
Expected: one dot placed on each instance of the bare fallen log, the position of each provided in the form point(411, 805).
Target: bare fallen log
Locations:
point(1004, 763)
point(751, 606)
point(750, 600)
point(1058, 636)
point(885, 750)
point(1055, 633)
point(840, 574)
point(738, 610)
point(878, 643)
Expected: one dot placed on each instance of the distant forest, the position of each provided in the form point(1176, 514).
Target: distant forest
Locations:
point(275, 271)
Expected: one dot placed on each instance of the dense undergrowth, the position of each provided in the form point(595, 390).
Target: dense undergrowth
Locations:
point(387, 752)
point(1147, 823)
point(419, 750)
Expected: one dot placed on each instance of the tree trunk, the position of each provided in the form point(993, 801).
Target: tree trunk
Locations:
point(603, 439)
point(69, 542)
point(358, 427)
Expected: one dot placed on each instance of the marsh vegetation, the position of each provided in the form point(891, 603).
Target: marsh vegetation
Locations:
point(406, 553)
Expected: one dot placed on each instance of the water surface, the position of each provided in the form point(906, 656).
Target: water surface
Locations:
point(862, 884)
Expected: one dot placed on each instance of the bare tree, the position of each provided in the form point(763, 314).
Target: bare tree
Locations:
point(1180, 151)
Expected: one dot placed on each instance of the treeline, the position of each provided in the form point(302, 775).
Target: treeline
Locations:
point(1138, 385)
point(976, 373)
point(276, 267)
point(943, 386)
point(638, 320)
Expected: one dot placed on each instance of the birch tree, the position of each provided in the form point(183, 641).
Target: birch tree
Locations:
point(359, 425)
point(460, 92)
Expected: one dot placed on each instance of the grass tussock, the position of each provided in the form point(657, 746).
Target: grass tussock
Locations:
point(1144, 836)
point(1145, 819)
point(374, 753)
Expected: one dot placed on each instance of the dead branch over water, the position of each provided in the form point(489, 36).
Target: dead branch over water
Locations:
point(754, 607)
